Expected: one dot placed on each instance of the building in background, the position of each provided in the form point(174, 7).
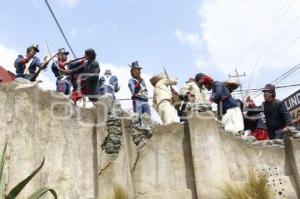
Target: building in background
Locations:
point(6, 76)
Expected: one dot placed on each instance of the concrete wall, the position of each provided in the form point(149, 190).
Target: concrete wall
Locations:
point(184, 161)
point(35, 130)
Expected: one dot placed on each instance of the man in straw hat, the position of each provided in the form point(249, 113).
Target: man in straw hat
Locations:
point(162, 98)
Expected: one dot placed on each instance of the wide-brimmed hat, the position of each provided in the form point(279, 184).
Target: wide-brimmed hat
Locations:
point(156, 78)
point(134, 65)
point(190, 80)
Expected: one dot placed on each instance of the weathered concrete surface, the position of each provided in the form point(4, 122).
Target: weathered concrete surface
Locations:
point(30, 121)
point(220, 157)
point(208, 157)
point(116, 172)
point(184, 161)
point(162, 165)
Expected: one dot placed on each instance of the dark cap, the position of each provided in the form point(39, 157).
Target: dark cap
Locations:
point(199, 76)
point(269, 87)
point(135, 64)
point(63, 51)
point(33, 46)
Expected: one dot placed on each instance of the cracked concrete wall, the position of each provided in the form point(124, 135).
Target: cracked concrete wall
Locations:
point(32, 132)
point(220, 157)
point(180, 161)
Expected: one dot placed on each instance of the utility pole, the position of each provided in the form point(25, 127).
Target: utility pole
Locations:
point(237, 75)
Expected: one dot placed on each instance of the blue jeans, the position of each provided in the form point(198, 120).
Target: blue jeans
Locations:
point(63, 86)
point(141, 107)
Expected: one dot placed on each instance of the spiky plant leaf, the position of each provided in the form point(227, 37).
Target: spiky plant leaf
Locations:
point(39, 193)
point(233, 192)
point(2, 180)
point(2, 188)
point(17, 189)
point(2, 162)
point(256, 187)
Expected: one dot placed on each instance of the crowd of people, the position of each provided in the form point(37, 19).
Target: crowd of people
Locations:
point(82, 75)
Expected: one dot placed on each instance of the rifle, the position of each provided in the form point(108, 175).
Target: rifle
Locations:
point(33, 78)
point(75, 60)
point(175, 97)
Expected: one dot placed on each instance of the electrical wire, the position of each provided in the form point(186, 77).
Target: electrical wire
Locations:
point(61, 30)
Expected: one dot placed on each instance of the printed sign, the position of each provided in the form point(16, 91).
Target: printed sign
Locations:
point(292, 102)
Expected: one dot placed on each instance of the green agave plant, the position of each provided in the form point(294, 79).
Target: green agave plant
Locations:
point(256, 187)
point(17, 189)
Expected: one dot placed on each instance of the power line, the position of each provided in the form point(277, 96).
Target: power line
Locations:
point(259, 89)
point(272, 44)
point(61, 31)
point(283, 9)
point(283, 76)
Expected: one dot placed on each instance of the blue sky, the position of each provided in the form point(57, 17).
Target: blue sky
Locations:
point(185, 36)
point(120, 31)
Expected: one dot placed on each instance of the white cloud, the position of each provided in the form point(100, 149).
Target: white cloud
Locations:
point(189, 38)
point(230, 27)
point(69, 2)
point(7, 58)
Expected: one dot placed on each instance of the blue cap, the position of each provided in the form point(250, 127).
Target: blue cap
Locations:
point(135, 65)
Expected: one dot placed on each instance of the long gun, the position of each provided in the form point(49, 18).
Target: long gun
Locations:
point(75, 60)
point(33, 78)
point(168, 78)
point(176, 101)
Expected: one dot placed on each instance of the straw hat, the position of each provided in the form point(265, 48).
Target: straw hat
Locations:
point(156, 78)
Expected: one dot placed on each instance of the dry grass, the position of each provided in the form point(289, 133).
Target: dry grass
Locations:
point(119, 193)
point(256, 187)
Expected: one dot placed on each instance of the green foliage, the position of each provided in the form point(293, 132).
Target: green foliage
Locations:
point(2, 180)
point(17, 189)
point(39, 193)
point(256, 187)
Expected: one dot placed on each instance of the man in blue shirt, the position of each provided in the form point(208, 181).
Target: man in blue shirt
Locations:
point(62, 82)
point(26, 65)
point(232, 117)
point(108, 84)
point(139, 92)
